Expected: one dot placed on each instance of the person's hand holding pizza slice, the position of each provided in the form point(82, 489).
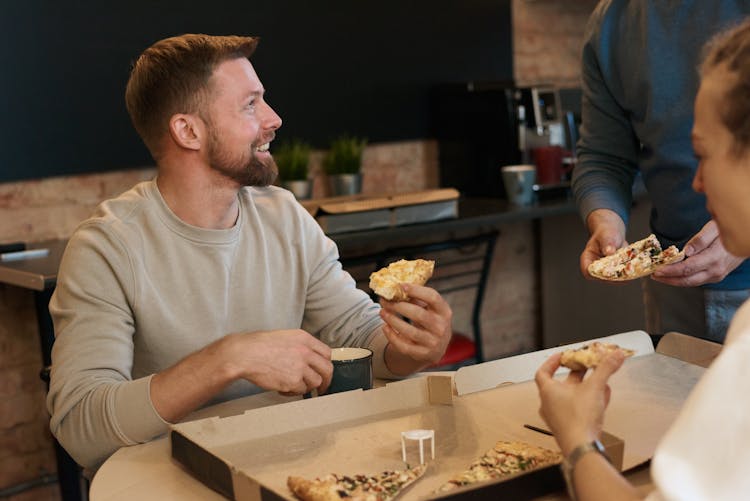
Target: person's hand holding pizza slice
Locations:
point(709, 261)
point(607, 231)
point(418, 321)
point(574, 407)
point(637, 260)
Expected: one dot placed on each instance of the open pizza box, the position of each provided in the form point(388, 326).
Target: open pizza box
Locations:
point(363, 212)
point(249, 456)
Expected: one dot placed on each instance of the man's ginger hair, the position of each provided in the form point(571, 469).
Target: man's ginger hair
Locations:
point(173, 76)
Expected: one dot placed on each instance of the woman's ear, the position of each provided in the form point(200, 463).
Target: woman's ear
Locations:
point(186, 130)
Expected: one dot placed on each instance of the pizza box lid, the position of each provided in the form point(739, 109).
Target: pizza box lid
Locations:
point(249, 456)
point(368, 212)
point(361, 202)
point(522, 368)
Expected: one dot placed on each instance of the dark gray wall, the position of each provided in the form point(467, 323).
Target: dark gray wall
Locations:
point(329, 66)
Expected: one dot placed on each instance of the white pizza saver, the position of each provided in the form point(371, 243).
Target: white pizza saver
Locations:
point(421, 436)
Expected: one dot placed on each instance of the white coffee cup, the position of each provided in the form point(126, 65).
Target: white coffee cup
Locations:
point(519, 183)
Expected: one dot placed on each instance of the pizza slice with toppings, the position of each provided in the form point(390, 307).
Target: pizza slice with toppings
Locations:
point(383, 486)
point(504, 459)
point(590, 355)
point(636, 260)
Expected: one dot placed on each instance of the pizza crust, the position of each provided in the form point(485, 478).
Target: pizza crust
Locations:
point(313, 490)
point(590, 355)
point(386, 281)
point(636, 260)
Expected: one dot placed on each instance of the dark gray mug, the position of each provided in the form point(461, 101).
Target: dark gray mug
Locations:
point(352, 369)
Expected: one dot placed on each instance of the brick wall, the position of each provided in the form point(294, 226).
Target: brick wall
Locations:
point(547, 38)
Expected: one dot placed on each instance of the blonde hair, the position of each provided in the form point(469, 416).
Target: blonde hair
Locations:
point(730, 49)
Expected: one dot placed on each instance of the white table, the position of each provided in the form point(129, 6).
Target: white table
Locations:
point(147, 471)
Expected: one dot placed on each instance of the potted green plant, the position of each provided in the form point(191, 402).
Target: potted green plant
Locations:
point(342, 164)
point(292, 158)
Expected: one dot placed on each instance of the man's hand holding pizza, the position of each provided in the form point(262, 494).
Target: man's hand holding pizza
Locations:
point(707, 261)
point(418, 330)
point(607, 232)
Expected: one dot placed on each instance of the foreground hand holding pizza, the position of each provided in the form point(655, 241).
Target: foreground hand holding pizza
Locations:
point(573, 409)
point(708, 261)
point(418, 330)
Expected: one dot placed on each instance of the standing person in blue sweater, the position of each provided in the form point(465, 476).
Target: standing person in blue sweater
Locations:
point(639, 83)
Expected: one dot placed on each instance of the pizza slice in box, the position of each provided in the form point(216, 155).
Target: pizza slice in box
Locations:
point(504, 459)
point(384, 486)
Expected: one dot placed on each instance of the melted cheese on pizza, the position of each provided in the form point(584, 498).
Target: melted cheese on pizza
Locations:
point(590, 355)
point(506, 458)
point(386, 281)
point(380, 487)
point(634, 261)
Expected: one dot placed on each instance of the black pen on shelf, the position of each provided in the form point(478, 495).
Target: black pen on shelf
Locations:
point(12, 247)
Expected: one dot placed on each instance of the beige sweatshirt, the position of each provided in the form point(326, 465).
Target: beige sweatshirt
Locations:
point(138, 290)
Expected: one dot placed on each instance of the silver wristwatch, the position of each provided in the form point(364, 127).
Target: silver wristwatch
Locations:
point(569, 463)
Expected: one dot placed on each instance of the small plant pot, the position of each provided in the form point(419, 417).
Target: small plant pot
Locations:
point(345, 184)
point(302, 188)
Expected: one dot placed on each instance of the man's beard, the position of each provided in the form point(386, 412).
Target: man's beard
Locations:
point(244, 168)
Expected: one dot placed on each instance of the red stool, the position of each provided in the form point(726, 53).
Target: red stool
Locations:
point(460, 348)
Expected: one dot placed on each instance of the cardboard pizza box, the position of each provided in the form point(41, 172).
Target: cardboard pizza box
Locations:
point(522, 368)
point(249, 456)
point(688, 348)
point(365, 212)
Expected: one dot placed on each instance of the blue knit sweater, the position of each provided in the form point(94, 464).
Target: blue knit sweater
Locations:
point(640, 77)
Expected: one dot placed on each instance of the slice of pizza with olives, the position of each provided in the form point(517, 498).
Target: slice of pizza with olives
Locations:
point(636, 260)
point(504, 459)
point(383, 486)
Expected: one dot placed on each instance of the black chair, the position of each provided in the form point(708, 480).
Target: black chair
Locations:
point(73, 485)
point(460, 264)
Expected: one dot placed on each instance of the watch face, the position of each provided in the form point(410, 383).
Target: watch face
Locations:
point(599, 447)
point(577, 453)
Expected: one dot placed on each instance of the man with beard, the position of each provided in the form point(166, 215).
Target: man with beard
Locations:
point(206, 283)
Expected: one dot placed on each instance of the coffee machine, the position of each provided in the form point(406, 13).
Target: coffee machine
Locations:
point(539, 113)
point(481, 126)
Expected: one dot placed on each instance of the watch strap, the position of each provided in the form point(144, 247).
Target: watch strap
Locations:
point(583, 449)
point(572, 459)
